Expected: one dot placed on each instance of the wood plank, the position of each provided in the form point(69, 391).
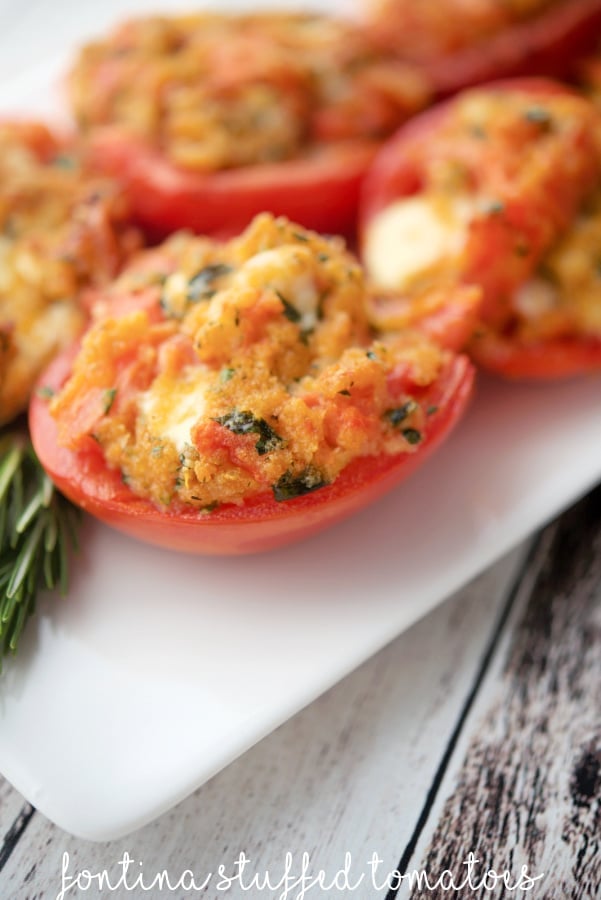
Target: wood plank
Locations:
point(348, 774)
point(15, 815)
point(524, 787)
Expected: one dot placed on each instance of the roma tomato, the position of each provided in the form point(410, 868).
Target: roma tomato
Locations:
point(229, 397)
point(557, 358)
point(62, 231)
point(461, 44)
point(255, 526)
point(214, 118)
point(498, 189)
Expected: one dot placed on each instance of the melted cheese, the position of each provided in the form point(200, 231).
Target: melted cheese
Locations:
point(535, 298)
point(290, 272)
point(411, 239)
point(174, 404)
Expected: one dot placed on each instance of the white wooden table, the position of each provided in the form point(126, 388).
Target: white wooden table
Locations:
point(477, 731)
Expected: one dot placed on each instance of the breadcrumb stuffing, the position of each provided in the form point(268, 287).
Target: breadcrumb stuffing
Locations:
point(60, 232)
point(214, 373)
point(216, 91)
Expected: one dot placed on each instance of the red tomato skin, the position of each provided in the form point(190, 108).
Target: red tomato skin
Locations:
point(260, 525)
point(560, 358)
point(321, 193)
point(547, 45)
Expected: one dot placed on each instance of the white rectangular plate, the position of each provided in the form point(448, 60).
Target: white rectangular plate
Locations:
point(160, 669)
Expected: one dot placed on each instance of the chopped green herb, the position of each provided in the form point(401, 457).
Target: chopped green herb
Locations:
point(290, 486)
point(538, 115)
point(45, 392)
point(157, 450)
point(493, 207)
point(521, 249)
point(244, 422)
point(398, 415)
point(290, 311)
point(345, 393)
point(323, 257)
point(431, 410)
point(200, 286)
point(109, 399)
point(479, 132)
point(412, 435)
point(371, 355)
point(226, 374)
point(64, 161)
point(299, 236)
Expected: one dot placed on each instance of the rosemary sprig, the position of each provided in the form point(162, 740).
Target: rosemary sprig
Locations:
point(37, 528)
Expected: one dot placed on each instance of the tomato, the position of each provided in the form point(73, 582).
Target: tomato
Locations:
point(212, 118)
point(545, 43)
point(560, 358)
point(257, 525)
point(320, 191)
point(514, 166)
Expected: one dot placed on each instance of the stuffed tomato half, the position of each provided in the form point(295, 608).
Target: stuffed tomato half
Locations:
point(232, 397)
point(62, 230)
point(462, 43)
point(498, 189)
point(209, 119)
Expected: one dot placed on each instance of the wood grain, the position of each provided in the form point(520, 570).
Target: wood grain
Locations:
point(527, 790)
point(15, 815)
point(348, 774)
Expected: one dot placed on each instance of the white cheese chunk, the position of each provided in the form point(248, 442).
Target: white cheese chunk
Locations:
point(286, 270)
point(172, 406)
point(411, 238)
point(535, 298)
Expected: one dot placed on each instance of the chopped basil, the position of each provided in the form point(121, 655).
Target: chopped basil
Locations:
point(412, 435)
point(45, 392)
point(178, 292)
point(478, 132)
point(109, 399)
point(290, 311)
point(431, 410)
point(521, 249)
point(299, 236)
point(538, 115)
point(200, 286)
point(290, 486)
point(244, 422)
point(226, 374)
point(64, 161)
point(493, 207)
point(398, 415)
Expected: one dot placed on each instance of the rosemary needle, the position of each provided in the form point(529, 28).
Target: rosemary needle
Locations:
point(37, 528)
